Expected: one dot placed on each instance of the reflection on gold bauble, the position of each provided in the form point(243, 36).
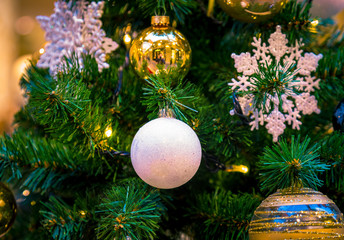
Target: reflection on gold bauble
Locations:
point(8, 209)
point(301, 214)
point(160, 48)
point(252, 11)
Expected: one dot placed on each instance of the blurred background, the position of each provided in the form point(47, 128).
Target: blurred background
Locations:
point(20, 37)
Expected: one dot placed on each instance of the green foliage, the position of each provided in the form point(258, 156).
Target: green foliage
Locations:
point(178, 8)
point(46, 165)
point(291, 164)
point(295, 20)
point(332, 152)
point(229, 137)
point(331, 72)
point(62, 221)
point(271, 80)
point(159, 94)
point(129, 210)
point(223, 215)
point(64, 108)
point(51, 162)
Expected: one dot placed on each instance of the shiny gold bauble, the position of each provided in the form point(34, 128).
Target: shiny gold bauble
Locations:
point(160, 48)
point(8, 209)
point(252, 11)
point(299, 214)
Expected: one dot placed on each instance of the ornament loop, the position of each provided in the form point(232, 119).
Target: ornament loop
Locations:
point(166, 113)
point(160, 21)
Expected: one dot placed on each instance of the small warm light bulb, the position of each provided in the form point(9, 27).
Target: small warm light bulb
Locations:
point(127, 38)
point(237, 168)
point(108, 132)
point(314, 23)
point(26, 193)
point(82, 213)
point(41, 51)
point(244, 169)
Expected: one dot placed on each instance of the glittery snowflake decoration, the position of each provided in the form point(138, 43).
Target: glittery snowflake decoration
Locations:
point(74, 29)
point(296, 99)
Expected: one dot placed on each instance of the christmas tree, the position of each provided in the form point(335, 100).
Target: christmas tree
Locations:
point(181, 128)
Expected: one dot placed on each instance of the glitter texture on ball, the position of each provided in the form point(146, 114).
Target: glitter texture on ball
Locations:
point(166, 153)
point(300, 214)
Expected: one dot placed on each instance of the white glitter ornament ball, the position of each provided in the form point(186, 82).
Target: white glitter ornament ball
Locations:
point(166, 153)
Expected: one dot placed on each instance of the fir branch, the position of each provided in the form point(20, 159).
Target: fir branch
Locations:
point(222, 215)
point(129, 210)
point(331, 72)
point(159, 94)
point(294, 19)
point(291, 164)
point(45, 179)
point(10, 154)
point(63, 106)
point(228, 137)
point(332, 152)
point(62, 221)
point(52, 162)
point(272, 80)
point(46, 164)
point(178, 8)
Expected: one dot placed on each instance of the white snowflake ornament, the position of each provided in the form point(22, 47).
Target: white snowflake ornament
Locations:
point(275, 114)
point(74, 30)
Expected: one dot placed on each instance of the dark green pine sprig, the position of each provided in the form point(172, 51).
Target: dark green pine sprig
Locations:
point(62, 221)
point(177, 8)
point(332, 152)
point(44, 165)
point(227, 137)
point(223, 215)
point(130, 210)
point(70, 218)
point(270, 80)
point(331, 72)
point(291, 164)
point(295, 19)
point(63, 108)
point(160, 94)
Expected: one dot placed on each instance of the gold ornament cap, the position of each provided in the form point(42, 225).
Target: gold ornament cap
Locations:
point(160, 21)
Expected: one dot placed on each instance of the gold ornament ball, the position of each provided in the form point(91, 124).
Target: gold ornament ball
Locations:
point(160, 48)
point(299, 214)
point(8, 209)
point(252, 11)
